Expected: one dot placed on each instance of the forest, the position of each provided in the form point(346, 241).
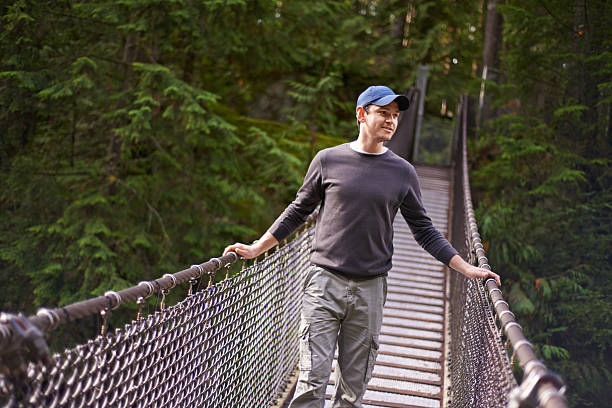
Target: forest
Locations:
point(141, 136)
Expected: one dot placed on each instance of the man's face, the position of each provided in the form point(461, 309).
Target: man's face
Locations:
point(381, 121)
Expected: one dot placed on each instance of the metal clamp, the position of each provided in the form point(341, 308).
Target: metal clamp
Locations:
point(51, 315)
point(104, 313)
point(518, 344)
point(548, 394)
point(531, 365)
point(494, 289)
point(236, 257)
point(509, 325)
point(228, 266)
point(149, 286)
point(192, 283)
point(217, 262)
point(199, 268)
point(504, 312)
point(117, 296)
point(172, 277)
point(500, 301)
point(140, 302)
point(164, 292)
point(527, 392)
point(162, 303)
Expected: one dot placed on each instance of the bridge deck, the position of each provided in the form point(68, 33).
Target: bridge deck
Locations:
point(409, 371)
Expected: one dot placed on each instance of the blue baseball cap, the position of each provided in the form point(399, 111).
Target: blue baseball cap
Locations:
point(381, 96)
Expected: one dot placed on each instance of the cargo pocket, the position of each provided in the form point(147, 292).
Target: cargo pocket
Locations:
point(384, 290)
point(305, 363)
point(311, 272)
point(373, 353)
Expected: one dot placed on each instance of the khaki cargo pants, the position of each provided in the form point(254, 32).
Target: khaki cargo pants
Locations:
point(346, 312)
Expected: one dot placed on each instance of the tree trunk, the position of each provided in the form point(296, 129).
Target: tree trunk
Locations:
point(115, 145)
point(397, 33)
point(490, 60)
point(188, 67)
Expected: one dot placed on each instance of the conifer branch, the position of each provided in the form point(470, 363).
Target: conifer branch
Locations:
point(149, 206)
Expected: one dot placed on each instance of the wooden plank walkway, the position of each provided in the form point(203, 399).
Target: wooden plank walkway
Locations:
point(409, 371)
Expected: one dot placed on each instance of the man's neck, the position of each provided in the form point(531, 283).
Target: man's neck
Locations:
point(369, 146)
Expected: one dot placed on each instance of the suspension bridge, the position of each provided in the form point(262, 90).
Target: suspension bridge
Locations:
point(446, 341)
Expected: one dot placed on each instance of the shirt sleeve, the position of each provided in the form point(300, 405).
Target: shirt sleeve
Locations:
point(307, 199)
point(420, 224)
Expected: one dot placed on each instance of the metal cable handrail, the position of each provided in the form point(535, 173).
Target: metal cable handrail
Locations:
point(49, 319)
point(539, 387)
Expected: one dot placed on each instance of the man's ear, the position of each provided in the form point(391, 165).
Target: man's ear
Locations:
point(360, 113)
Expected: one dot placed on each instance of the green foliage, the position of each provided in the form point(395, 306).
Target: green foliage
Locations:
point(115, 168)
point(139, 136)
point(435, 141)
point(544, 180)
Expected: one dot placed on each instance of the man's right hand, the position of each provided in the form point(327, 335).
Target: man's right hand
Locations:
point(257, 248)
point(244, 251)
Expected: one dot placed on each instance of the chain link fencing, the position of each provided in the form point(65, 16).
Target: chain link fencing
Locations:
point(480, 371)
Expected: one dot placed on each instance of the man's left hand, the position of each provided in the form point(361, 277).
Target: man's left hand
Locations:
point(471, 271)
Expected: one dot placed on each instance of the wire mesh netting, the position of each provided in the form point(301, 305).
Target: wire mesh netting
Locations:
point(481, 374)
point(233, 344)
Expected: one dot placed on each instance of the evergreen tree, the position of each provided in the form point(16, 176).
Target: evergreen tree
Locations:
point(544, 172)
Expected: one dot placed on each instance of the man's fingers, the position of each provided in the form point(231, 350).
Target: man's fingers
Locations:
point(241, 249)
point(494, 276)
point(232, 248)
point(490, 274)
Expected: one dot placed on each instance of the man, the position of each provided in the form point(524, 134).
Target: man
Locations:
point(360, 185)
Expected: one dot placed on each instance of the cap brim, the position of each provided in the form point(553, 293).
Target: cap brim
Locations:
point(402, 102)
